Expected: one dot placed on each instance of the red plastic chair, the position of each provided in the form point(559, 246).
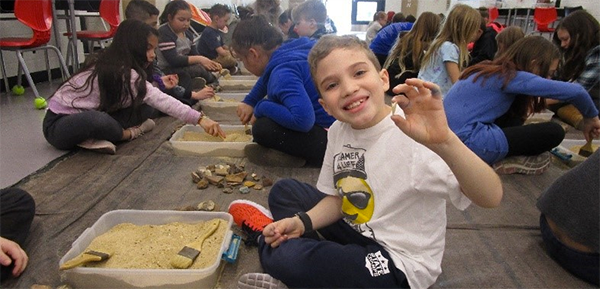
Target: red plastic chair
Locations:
point(37, 15)
point(543, 17)
point(493, 11)
point(109, 12)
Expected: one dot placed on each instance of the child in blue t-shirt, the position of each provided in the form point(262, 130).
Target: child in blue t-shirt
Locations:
point(211, 43)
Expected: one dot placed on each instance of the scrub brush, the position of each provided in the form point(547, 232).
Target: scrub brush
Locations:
point(190, 252)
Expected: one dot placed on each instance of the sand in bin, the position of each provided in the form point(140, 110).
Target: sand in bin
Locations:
point(153, 246)
point(231, 136)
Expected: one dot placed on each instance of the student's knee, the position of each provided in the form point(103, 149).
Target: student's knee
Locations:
point(18, 199)
point(280, 190)
point(556, 133)
point(263, 130)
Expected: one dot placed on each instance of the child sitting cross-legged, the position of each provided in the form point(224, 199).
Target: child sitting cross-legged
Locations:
point(489, 104)
point(380, 200)
point(110, 100)
point(211, 43)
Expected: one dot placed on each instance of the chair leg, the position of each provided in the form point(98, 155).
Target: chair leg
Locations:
point(27, 74)
point(4, 75)
point(65, 70)
point(48, 71)
point(19, 71)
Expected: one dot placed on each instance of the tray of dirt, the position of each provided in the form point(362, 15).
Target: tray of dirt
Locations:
point(192, 138)
point(139, 230)
point(234, 84)
point(567, 152)
point(224, 99)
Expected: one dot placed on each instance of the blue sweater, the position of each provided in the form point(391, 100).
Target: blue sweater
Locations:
point(387, 36)
point(292, 100)
point(472, 107)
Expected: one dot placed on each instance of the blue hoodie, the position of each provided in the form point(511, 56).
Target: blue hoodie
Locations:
point(291, 96)
point(387, 36)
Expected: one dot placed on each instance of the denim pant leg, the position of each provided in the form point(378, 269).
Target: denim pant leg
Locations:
point(583, 265)
point(17, 209)
point(307, 262)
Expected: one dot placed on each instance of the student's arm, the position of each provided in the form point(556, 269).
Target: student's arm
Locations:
point(426, 123)
point(323, 214)
point(167, 44)
point(223, 52)
point(453, 71)
point(12, 253)
point(525, 83)
point(288, 104)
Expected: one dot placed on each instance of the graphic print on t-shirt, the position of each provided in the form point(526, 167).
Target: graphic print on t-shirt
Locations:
point(350, 180)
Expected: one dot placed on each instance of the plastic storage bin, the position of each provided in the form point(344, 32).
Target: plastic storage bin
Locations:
point(566, 154)
point(207, 148)
point(234, 99)
point(82, 277)
point(234, 84)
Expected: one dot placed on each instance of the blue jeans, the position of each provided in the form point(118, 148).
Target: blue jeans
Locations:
point(583, 265)
point(339, 261)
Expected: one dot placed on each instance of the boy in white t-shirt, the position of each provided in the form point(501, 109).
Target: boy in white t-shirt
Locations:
point(380, 203)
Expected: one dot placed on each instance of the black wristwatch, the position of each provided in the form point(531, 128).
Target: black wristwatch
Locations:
point(305, 221)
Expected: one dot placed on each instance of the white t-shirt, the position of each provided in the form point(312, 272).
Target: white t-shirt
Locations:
point(399, 189)
point(435, 71)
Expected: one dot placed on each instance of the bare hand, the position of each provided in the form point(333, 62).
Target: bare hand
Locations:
point(282, 230)
point(245, 112)
point(425, 119)
point(212, 127)
point(170, 80)
point(11, 252)
point(591, 128)
point(204, 93)
point(209, 64)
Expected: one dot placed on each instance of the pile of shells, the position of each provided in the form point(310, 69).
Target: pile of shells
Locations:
point(229, 177)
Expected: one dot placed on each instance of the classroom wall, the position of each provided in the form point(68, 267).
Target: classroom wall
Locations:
point(36, 62)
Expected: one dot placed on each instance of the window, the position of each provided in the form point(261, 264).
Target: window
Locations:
point(363, 10)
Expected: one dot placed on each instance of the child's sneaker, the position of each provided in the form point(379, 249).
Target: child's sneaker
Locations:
point(98, 145)
point(197, 84)
point(145, 127)
point(251, 217)
point(259, 281)
point(528, 165)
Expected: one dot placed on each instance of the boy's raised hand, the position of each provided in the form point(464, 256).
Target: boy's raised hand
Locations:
point(425, 119)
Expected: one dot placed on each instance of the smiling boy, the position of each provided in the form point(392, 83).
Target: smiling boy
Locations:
point(380, 200)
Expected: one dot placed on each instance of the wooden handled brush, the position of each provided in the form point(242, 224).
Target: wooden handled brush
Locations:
point(190, 252)
point(84, 258)
point(586, 150)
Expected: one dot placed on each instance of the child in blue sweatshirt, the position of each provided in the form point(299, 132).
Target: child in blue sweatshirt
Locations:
point(283, 106)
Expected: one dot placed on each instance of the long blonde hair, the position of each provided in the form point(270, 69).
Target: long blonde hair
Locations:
point(459, 27)
point(416, 41)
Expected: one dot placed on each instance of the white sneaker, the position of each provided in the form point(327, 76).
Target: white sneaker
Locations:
point(100, 146)
point(145, 127)
point(259, 281)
